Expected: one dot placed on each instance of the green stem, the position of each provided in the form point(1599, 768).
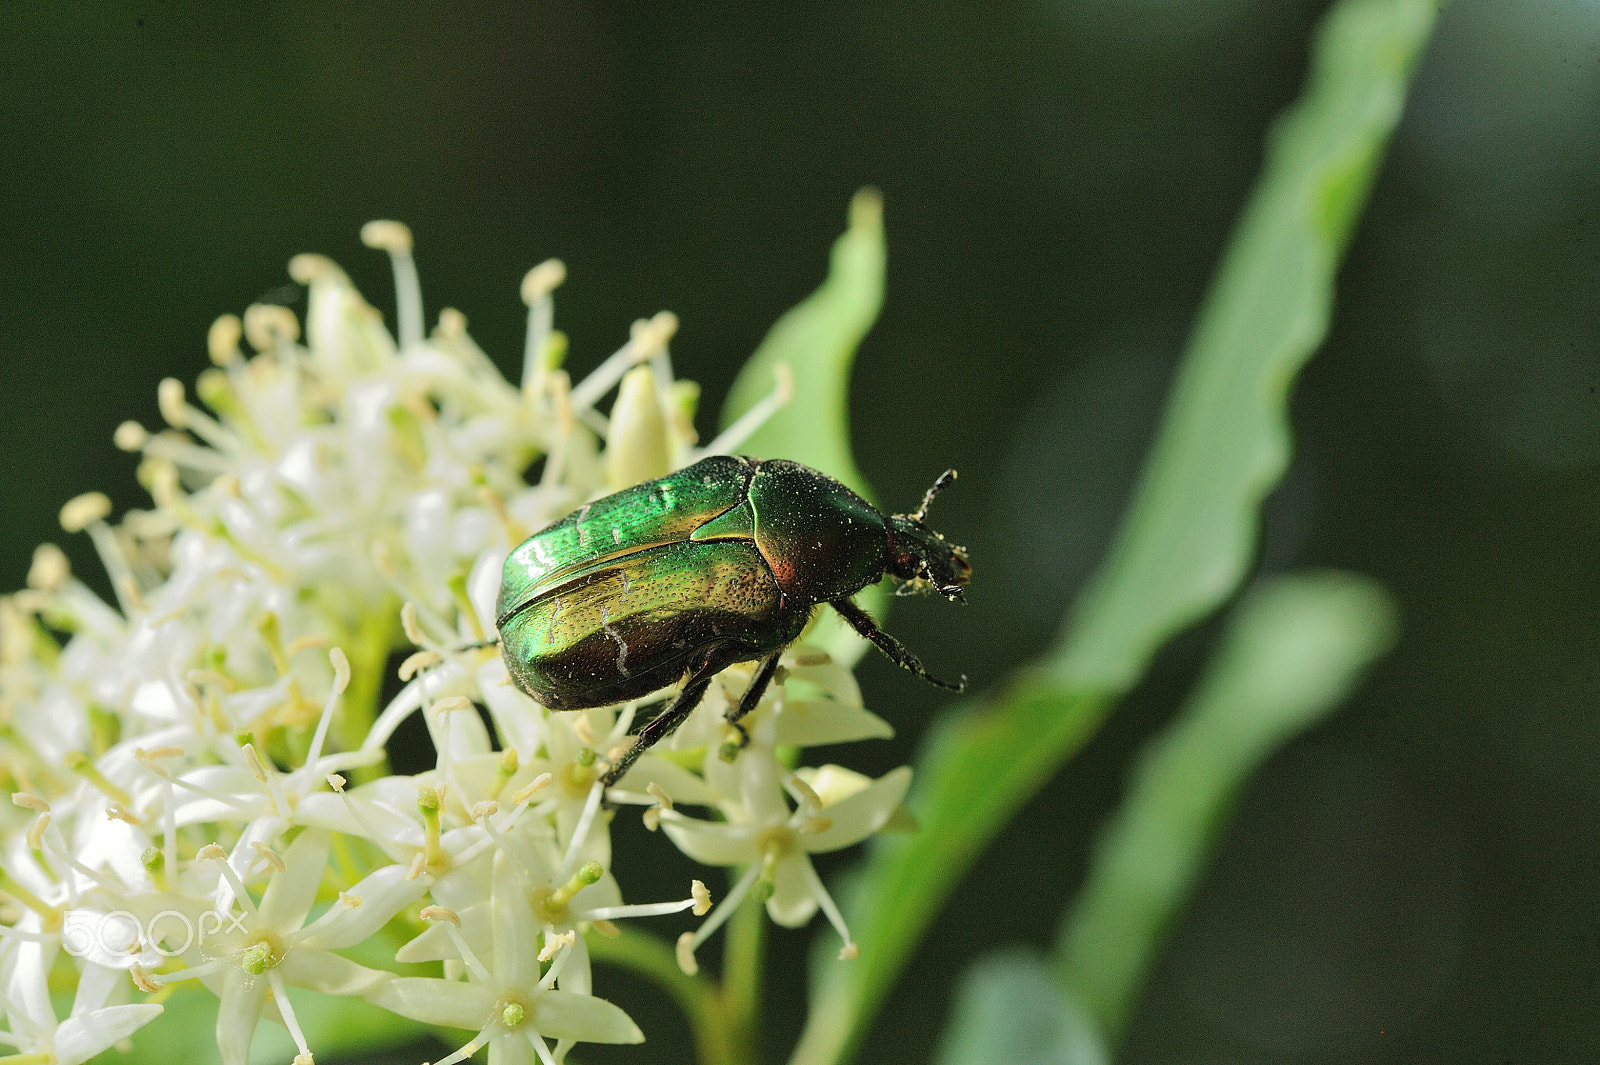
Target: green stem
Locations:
point(743, 968)
point(696, 995)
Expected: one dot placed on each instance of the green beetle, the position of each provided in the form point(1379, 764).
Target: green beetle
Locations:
point(720, 562)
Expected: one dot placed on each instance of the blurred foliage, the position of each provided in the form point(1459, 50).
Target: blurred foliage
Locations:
point(1191, 527)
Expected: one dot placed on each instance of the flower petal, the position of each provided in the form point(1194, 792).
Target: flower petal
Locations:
point(383, 894)
point(292, 891)
point(80, 1038)
point(711, 842)
point(862, 814)
point(792, 902)
point(568, 1015)
point(453, 1003)
point(243, 996)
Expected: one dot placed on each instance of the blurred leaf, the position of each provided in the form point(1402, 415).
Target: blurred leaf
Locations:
point(1190, 532)
point(1293, 651)
point(1191, 528)
point(1010, 1007)
point(817, 340)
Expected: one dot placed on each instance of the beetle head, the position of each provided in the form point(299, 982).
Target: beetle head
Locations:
point(920, 557)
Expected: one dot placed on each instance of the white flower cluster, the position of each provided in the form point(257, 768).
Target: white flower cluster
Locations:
point(197, 772)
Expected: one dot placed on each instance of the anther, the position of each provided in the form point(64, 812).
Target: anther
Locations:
point(80, 512)
point(702, 898)
point(542, 280)
point(308, 267)
point(141, 979)
point(452, 324)
point(554, 943)
point(170, 402)
point(130, 436)
point(270, 856)
point(524, 793)
point(49, 570)
point(685, 952)
point(440, 913)
point(222, 341)
point(269, 325)
point(385, 235)
point(417, 662)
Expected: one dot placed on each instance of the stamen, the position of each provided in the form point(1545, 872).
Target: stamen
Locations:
point(270, 327)
point(222, 341)
point(835, 918)
point(465, 1052)
point(50, 569)
point(537, 286)
point(395, 238)
point(214, 852)
point(723, 911)
point(80, 764)
point(556, 942)
point(341, 681)
point(647, 337)
point(280, 996)
point(747, 423)
point(580, 831)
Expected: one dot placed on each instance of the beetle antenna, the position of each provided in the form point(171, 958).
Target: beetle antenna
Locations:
point(944, 480)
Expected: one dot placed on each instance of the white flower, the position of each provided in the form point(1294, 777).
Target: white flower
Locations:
point(254, 953)
point(317, 507)
point(512, 1005)
point(775, 842)
point(26, 957)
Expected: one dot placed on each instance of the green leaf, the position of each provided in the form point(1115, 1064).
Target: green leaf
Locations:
point(817, 340)
point(1190, 531)
point(1010, 1007)
point(1293, 651)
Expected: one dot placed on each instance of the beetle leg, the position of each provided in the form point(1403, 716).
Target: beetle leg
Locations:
point(752, 695)
point(868, 629)
point(663, 724)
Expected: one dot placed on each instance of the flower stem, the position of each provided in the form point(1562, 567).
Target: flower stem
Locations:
point(743, 970)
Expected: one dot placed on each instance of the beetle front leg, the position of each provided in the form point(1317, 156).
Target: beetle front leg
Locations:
point(868, 629)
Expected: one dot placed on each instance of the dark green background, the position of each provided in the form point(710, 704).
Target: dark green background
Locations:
point(1417, 881)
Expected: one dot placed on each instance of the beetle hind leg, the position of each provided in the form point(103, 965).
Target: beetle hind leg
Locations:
point(868, 629)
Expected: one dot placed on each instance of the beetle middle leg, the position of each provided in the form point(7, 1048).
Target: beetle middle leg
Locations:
point(712, 660)
point(868, 629)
